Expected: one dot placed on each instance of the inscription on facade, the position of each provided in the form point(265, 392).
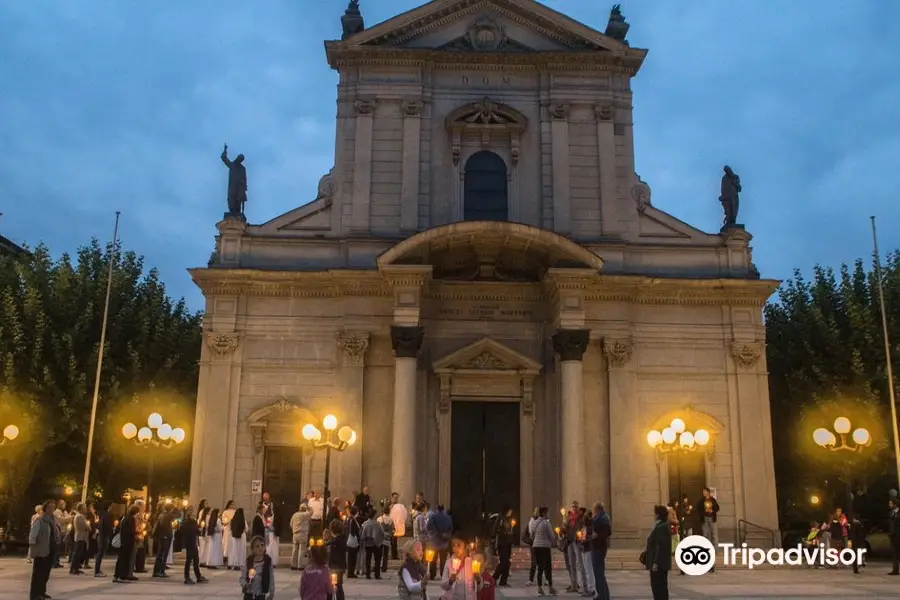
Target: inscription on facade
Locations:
point(492, 81)
point(487, 312)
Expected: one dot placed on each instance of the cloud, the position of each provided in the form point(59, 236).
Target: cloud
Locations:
point(124, 106)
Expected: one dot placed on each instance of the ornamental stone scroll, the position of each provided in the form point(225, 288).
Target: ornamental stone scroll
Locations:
point(353, 347)
point(222, 345)
point(746, 354)
point(618, 351)
point(364, 107)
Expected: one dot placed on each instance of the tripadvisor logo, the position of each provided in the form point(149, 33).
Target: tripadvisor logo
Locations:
point(695, 555)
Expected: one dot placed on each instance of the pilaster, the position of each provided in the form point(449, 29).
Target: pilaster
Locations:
point(352, 347)
point(606, 154)
point(407, 283)
point(229, 242)
point(409, 190)
point(624, 436)
point(562, 204)
point(362, 165)
point(406, 341)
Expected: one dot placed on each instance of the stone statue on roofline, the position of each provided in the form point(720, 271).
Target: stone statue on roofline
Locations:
point(237, 183)
point(352, 21)
point(730, 198)
point(617, 28)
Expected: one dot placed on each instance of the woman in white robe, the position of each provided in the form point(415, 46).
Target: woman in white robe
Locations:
point(214, 541)
point(202, 517)
point(227, 516)
point(237, 531)
point(272, 541)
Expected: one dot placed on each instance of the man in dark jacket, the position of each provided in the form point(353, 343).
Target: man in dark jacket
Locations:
point(658, 554)
point(601, 530)
point(505, 538)
point(105, 532)
point(163, 533)
point(894, 534)
point(363, 502)
point(190, 538)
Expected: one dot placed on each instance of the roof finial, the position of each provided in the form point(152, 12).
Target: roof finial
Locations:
point(617, 28)
point(352, 21)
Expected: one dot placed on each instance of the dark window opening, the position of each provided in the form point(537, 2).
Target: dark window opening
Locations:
point(485, 188)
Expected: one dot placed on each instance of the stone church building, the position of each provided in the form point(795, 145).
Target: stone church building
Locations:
point(483, 289)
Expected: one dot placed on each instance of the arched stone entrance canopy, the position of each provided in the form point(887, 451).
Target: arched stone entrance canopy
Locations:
point(490, 250)
point(487, 371)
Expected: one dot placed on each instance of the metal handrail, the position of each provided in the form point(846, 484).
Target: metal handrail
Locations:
point(742, 532)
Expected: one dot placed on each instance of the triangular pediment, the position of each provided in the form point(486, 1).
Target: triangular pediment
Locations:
point(522, 25)
point(311, 218)
point(654, 223)
point(487, 355)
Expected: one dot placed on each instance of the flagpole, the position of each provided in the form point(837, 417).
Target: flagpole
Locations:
point(887, 352)
point(90, 446)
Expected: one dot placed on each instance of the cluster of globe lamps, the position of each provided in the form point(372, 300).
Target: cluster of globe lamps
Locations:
point(164, 432)
point(842, 426)
point(676, 436)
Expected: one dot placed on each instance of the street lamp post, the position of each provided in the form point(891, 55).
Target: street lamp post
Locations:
point(10, 432)
point(346, 437)
point(156, 434)
point(858, 440)
point(676, 440)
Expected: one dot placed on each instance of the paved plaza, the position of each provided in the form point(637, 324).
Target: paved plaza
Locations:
point(793, 584)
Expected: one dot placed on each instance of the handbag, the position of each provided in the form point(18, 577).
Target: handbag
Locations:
point(116, 541)
point(643, 558)
point(352, 539)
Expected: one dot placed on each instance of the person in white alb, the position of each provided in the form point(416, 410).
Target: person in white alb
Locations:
point(317, 507)
point(399, 514)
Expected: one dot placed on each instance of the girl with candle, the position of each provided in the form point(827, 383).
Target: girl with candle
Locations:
point(413, 573)
point(459, 580)
point(316, 582)
point(257, 573)
point(214, 532)
point(487, 591)
point(237, 531)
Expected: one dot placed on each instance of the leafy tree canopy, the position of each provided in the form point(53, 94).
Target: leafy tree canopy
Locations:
point(51, 312)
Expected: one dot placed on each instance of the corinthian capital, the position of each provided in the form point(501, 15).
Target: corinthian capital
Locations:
point(618, 351)
point(571, 344)
point(406, 340)
point(353, 348)
point(222, 345)
point(746, 354)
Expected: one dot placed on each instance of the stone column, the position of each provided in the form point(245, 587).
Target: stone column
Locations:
point(562, 204)
point(406, 342)
point(624, 436)
point(606, 154)
point(362, 165)
point(571, 344)
point(353, 348)
point(526, 448)
point(409, 190)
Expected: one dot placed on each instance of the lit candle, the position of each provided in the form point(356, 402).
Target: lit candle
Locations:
point(512, 523)
point(562, 512)
point(476, 567)
point(320, 542)
point(556, 530)
point(334, 579)
point(116, 523)
point(174, 524)
point(429, 555)
point(251, 573)
point(454, 566)
point(579, 535)
point(471, 545)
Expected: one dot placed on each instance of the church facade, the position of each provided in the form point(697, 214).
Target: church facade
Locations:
point(483, 289)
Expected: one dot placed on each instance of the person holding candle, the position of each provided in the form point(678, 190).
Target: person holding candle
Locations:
point(504, 543)
point(459, 578)
point(214, 530)
point(189, 531)
point(413, 580)
point(202, 517)
point(353, 536)
point(543, 540)
point(440, 530)
point(257, 573)
point(163, 533)
point(300, 536)
point(488, 589)
point(237, 529)
point(373, 540)
point(337, 556)
point(387, 525)
point(227, 516)
point(316, 582)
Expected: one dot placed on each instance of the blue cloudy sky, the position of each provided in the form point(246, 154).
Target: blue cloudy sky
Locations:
point(124, 104)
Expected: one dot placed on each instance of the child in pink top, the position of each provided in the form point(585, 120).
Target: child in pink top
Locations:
point(316, 582)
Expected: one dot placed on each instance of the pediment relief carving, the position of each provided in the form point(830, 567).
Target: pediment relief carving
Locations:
point(282, 410)
point(486, 355)
point(485, 35)
point(486, 113)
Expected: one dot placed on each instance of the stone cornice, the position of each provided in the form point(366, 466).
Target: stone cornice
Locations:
point(599, 287)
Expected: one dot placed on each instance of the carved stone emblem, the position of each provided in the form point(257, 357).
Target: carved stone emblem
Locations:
point(411, 108)
point(283, 405)
point(605, 112)
point(746, 354)
point(640, 192)
point(485, 361)
point(353, 348)
point(222, 345)
point(364, 107)
point(558, 112)
point(485, 34)
point(618, 351)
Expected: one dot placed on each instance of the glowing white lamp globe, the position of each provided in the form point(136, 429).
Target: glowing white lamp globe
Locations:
point(701, 436)
point(129, 430)
point(11, 432)
point(154, 420)
point(178, 435)
point(842, 425)
point(329, 423)
point(310, 432)
point(677, 425)
point(145, 434)
point(861, 436)
point(823, 437)
point(686, 440)
point(352, 439)
point(345, 434)
point(164, 432)
point(668, 435)
point(654, 438)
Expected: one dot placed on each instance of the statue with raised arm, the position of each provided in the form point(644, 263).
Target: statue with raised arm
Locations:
point(237, 182)
point(730, 198)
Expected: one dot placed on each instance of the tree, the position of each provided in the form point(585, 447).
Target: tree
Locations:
point(825, 352)
point(50, 321)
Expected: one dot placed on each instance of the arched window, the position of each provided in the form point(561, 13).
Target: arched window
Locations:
point(485, 188)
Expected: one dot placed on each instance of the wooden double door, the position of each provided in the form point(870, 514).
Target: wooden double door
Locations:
point(282, 479)
point(484, 463)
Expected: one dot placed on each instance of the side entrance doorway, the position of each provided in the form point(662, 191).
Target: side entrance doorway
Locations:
point(484, 471)
point(282, 480)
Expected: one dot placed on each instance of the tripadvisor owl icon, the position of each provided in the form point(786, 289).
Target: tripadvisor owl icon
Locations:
point(695, 555)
